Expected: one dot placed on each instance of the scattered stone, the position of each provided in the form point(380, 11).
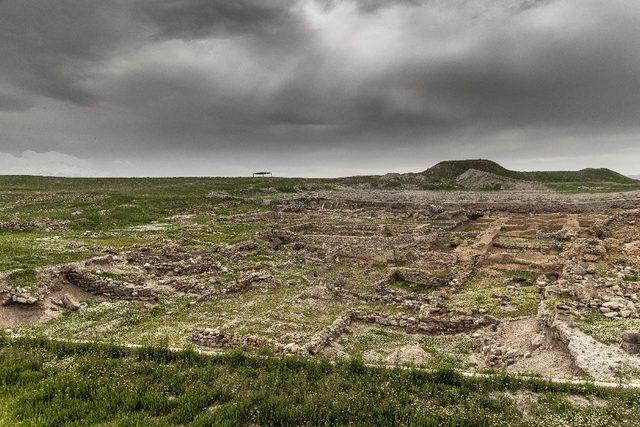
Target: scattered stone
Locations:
point(68, 302)
point(631, 342)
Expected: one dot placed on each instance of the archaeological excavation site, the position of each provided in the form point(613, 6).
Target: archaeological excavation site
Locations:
point(530, 286)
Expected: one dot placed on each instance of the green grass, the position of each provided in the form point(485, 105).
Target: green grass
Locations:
point(604, 329)
point(30, 249)
point(46, 383)
point(110, 203)
point(521, 275)
point(482, 292)
point(444, 351)
point(23, 278)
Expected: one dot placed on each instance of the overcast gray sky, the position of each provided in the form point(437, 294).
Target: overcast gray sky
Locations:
point(316, 87)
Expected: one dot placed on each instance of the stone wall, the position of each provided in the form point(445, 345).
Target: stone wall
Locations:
point(109, 288)
point(328, 335)
point(216, 338)
point(449, 324)
point(418, 276)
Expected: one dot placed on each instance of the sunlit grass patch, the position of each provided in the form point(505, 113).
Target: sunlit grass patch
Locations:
point(28, 250)
point(604, 329)
point(113, 276)
point(485, 292)
point(23, 278)
point(449, 350)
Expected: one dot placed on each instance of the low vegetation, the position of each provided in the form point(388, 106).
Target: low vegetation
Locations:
point(48, 383)
point(604, 329)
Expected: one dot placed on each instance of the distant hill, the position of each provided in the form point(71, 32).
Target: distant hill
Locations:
point(482, 174)
point(448, 171)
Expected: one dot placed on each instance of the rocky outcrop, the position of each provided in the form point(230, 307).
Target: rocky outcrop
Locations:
point(68, 302)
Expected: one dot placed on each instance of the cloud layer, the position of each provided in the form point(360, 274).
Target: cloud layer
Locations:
point(218, 87)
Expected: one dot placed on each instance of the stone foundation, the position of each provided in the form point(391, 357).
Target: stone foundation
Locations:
point(216, 338)
point(109, 288)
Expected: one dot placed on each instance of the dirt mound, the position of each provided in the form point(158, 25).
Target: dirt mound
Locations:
point(474, 179)
point(412, 354)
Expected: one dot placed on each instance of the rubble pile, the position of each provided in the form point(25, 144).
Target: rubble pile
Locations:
point(615, 296)
point(39, 224)
point(501, 356)
point(17, 295)
point(207, 292)
point(381, 293)
point(173, 261)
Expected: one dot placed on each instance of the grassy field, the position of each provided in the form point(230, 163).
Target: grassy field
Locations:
point(49, 384)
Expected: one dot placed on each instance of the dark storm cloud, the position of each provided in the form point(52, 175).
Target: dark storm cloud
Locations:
point(518, 72)
point(375, 5)
point(285, 76)
point(13, 103)
point(50, 48)
point(581, 74)
point(215, 18)
point(372, 5)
